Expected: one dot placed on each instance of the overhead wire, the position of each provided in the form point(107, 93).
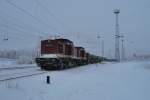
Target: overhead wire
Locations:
point(51, 14)
point(11, 18)
point(17, 29)
point(32, 16)
point(11, 36)
point(23, 10)
point(20, 29)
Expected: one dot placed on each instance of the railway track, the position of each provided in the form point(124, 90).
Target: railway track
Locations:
point(21, 76)
point(14, 68)
point(18, 72)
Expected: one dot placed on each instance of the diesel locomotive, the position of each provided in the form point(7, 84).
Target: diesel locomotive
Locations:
point(62, 53)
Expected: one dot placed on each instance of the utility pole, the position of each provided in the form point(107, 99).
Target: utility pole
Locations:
point(39, 46)
point(122, 55)
point(117, 36)
point(98, 37)
point(122, 48)
point(102, 48)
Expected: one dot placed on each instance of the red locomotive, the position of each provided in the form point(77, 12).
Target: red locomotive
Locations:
point(61, 53)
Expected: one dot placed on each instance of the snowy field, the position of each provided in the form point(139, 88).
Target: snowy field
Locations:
point(9, 63)
point(107, 81)
point(9, 68)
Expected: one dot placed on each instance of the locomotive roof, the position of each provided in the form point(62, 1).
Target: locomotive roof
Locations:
point(79, 47)
point(46, 40)
point(60, 39)
point(64, 40)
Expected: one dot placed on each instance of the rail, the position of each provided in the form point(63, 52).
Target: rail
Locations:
point(22, 76)
point(13, 68)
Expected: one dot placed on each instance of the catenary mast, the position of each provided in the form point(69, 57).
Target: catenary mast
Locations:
point(117, 36)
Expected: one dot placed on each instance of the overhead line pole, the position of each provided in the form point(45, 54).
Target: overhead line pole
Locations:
point(98, 37)
point(117, 36)
point(122, 48)
point(102, 50)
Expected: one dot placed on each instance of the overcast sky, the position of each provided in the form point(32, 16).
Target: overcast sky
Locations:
point(79, 20)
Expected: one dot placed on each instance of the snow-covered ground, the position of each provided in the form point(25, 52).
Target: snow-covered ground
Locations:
point(9, 63)
point(9, 68)
point(13, 73)
point(109, 81)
